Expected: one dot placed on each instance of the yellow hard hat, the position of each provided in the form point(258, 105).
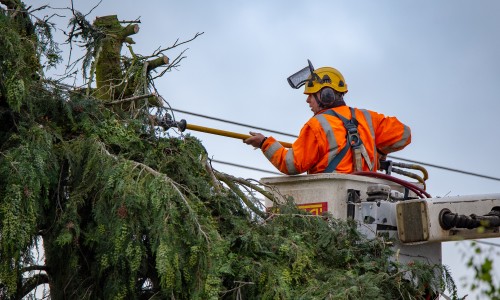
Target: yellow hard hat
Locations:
point(325, 77)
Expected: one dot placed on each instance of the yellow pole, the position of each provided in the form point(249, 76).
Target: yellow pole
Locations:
point(227, 133)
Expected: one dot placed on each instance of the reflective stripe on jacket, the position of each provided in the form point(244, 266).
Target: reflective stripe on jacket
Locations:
point(324, 136)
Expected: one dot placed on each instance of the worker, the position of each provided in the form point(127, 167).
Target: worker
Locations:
point(337, 138)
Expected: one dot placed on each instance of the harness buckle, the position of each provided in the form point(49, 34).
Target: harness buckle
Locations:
point(352, 134)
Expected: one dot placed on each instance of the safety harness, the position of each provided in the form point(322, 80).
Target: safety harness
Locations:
point(353, 141)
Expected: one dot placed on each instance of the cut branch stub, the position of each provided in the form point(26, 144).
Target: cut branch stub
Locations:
point(130, 30)
point(157, 62)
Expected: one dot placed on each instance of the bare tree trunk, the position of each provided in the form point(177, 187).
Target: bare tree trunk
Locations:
point(109, 75)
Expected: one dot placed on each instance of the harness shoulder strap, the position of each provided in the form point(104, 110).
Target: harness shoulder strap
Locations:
point(331, 112)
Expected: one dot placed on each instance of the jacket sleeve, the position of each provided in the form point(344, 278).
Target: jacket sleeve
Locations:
point(390, 134)
point(298, 159)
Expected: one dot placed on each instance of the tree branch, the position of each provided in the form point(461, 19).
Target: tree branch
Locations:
point(128, 31)
point(230, 183)
point(34, 268)
point(130, 22)
point(174, 64)
point(30, 284)
point(129, 99)
point(215, 182)
point(157, 62)
point(177, 44)
point(176, 186)
point(247, 183)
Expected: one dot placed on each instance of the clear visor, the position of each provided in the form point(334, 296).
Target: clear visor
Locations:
point(301, 77)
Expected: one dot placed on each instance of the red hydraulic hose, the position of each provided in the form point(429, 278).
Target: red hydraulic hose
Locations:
point(393, 179)
point(420, 192)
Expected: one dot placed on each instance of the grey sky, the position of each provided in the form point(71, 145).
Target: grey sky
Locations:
point(433, 64)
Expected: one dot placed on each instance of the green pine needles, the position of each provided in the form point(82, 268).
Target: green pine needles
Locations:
point(119, 210)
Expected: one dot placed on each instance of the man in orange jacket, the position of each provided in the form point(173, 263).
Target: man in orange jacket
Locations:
point(337, 138)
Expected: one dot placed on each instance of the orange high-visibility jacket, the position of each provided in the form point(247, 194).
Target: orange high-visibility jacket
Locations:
point(324, 136)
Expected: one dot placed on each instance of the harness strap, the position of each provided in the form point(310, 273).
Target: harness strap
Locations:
point(366, 157)
point(336, 160)
point(353, 141)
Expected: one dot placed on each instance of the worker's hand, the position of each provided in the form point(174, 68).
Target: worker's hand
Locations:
point(255, 140)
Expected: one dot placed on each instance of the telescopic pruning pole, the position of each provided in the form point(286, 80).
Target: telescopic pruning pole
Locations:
point(182, 125)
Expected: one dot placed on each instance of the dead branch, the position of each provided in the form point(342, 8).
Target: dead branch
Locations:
point(131, 22)
point(174, 64)
point(158, 52)
point(34, 268)
point(129, 99)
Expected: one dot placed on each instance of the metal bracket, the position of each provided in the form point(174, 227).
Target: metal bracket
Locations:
point(353, 196)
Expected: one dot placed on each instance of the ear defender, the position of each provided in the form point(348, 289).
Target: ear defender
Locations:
point(327, 96)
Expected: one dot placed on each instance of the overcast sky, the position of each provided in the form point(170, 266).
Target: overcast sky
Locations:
point(433, 64)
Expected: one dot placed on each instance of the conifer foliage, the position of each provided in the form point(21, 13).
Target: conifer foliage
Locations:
point(121, 210)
